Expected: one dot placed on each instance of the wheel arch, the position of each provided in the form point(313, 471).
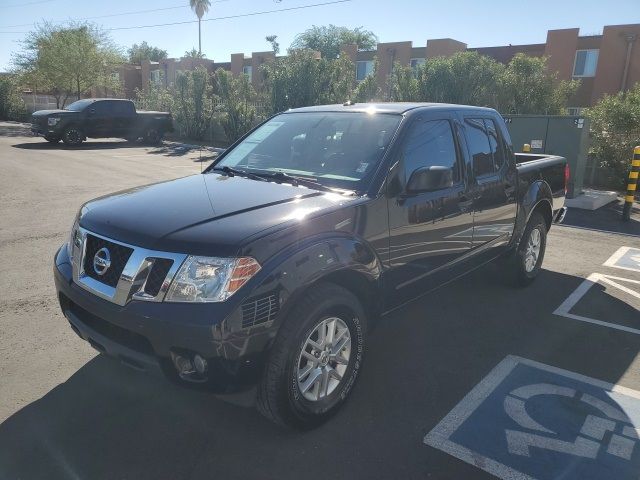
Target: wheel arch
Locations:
point(538, 198)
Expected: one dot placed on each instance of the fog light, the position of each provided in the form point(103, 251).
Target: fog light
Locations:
point(200, 364)
point(183, 365)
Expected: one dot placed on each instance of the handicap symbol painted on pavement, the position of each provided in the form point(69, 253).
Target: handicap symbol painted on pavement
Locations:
point(528, 420)
point(626, 258)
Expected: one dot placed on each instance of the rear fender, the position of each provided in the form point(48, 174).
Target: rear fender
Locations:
point(538, 195)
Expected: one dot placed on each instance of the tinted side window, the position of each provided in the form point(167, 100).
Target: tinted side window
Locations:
point(102, 108)
point(430, 144)
point(122, 108)
point(497, 147)
point(479, 146)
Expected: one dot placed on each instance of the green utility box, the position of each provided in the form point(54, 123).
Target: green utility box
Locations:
point(565, 135)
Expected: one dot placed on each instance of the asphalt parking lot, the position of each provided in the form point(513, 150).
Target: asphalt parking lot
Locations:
point(475, 380)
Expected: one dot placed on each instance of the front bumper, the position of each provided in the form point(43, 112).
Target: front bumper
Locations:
point(144, 335)
point(42, 131)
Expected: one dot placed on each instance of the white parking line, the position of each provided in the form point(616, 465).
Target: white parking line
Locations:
point(564, 309)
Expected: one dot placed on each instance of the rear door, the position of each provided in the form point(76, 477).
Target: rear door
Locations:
point(494, 183)
point(124, 116)
point(431, 228)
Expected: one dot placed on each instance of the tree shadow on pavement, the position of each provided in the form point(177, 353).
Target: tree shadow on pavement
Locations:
point(109, 422)
point(87, 145)
point(172, 149)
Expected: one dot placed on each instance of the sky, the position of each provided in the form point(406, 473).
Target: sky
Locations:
point(477, 23)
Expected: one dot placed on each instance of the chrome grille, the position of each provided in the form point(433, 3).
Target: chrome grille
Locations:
point(137, 273)
point(119, 258)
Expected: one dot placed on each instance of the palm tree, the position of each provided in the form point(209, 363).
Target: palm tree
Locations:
point(200, 7)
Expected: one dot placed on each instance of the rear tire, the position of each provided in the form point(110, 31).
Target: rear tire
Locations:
point(72, 136)
point(50, 139)
point(152, 136)
point(315, 360)
point(526, 263)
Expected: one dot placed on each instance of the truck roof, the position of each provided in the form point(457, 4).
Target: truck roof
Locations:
point(383, 107)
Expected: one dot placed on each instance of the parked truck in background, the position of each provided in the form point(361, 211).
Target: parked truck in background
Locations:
point(272, 266)
point(100, 118)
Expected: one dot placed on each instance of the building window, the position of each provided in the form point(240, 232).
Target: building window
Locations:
point(574, 110)
point(363, 69)
point(156, 77)
point(115, 77)
point(586, 63)
point(247, 71)
point(416, 63)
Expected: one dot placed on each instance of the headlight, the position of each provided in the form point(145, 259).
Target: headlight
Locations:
point(210, 279)
point(75, 237)
point(52, 121)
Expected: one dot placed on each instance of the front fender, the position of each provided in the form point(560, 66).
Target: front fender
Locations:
point(539, 191)
point(285, 277)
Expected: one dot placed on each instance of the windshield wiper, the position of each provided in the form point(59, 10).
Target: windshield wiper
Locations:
point(295, 181)
point(241, 173)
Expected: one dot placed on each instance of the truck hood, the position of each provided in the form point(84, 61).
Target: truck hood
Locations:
point(44, 113)
point(208, 214)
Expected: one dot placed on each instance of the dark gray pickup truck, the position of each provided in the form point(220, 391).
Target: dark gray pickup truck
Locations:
point(100, 118)
point(272, 266)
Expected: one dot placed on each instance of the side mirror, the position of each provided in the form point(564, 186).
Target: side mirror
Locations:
point(92, 111)
point(426, 179)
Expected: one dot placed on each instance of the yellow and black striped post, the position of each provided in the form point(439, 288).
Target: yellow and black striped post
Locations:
point(631, 186)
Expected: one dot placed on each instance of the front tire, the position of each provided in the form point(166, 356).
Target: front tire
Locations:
point(315, 360)
point(527, 261)
point(72, 136)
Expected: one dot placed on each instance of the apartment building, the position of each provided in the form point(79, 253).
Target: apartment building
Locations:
point(605, 63)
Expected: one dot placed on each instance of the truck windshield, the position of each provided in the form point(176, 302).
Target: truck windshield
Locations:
point(339, 150)
point(79, 105)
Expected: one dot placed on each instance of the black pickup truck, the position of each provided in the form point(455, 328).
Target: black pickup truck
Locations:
point(100, 118)
point(271, 267)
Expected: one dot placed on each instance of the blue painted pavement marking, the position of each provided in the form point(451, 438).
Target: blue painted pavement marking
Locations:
point(626, 258)
point(528, 420)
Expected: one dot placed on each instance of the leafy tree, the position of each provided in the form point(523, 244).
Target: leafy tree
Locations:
point(237, 103)
point(11, 104)
point(615, 131)
point(368, 90)
point(155, 97)
point(301, 79)
point(273, 40)
point(193, 103)
point(144, 51)
point(69, 60)
point(526, 86)
point(466, 78)
point(200, 7)
point(403, 84)
point(193, 53)
point(328, 40)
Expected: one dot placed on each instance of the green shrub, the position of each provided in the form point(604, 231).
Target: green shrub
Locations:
point(615, 131)
point(11, 103)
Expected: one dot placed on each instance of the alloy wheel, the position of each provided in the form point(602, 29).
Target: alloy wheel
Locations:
point(324, 359)
point(532, 253)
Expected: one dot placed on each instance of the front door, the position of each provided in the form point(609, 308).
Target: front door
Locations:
point(99, 120)
point(432, 226)
point(494, 190)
